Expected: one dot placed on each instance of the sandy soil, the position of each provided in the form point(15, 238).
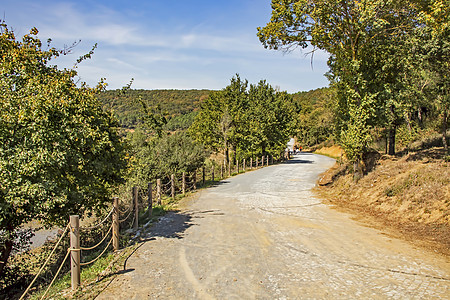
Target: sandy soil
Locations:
point(263, 235)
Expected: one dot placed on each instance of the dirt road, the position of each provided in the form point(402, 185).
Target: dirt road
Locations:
point(263, 235)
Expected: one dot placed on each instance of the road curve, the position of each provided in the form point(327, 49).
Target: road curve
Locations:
point(263, 235)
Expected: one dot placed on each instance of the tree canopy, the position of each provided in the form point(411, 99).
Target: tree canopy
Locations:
point(245, 120)
point(376, 64)
point(60, 153)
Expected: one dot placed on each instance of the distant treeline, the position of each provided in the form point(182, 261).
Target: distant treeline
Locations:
point(179, 106)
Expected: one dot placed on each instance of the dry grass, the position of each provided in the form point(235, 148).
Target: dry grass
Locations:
point(409, 195)
point(333, 151)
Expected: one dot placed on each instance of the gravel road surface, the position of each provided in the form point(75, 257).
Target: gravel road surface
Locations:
point(263, 235)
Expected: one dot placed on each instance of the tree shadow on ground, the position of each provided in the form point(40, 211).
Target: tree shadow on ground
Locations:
point(175, 223)
point(433, 153)
point(171, 225)
point(299, 161)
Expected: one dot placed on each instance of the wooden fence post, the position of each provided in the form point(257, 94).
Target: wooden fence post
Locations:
point(243, 165)
point(172, 184)
point(195, 179)
point(136, 207)
point(183, 186)
point(149, 199)
point(212, 173)
point(229, 168)
point(251, 163)
point(262, 161)
point(75, 251)
point(158, 191)
point(237, 166)
point(267, 162)
point(203, 175)
point(257, 162)
point(115, 224)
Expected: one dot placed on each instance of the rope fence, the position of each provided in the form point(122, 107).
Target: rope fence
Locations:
point(168, 187)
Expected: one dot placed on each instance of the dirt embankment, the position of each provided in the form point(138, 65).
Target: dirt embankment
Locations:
point(409, 194)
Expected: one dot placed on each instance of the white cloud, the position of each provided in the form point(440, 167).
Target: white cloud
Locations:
point(161, 57)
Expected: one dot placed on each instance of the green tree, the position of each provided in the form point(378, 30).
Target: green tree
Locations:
point(435, 38)
point(179, 153)
point(245, 121)
point(220, 123)
point(212, 125)
point(60, 153)
point(270, 116)
point(159, 157)
point(351, 32)
point(315, 116)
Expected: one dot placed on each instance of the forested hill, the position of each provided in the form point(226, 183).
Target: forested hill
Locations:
point(181, 106)
point(176, 104)
point(315, 116)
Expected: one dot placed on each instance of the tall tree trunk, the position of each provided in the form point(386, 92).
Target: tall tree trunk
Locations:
point(227, 151)
point(386, 143)
point(391, 149)
point(227, 155)
point(234, 149)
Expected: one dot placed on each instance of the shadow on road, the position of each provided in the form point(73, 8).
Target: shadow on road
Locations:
point(174, 224)
point(299, 161)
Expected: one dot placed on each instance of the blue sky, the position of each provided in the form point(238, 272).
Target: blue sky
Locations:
point(163, 44)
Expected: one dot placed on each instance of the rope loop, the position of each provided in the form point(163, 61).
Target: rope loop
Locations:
point(98, 244)
point(101, 223)
point(95, 259)
point(129, 214)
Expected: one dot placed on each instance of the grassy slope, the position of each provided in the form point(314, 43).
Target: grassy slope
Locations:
point(409, 195)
